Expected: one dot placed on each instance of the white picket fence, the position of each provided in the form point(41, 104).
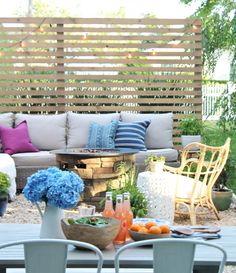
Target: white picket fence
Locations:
point(210, 93)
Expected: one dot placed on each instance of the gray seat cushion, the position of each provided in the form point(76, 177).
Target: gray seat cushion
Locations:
point(160, 131)
point(39, 159)
point(47, 132)
point(171, 155)
point(78, 127)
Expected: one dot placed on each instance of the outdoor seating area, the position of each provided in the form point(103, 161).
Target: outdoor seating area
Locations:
point(95, 171)
point(71, 130)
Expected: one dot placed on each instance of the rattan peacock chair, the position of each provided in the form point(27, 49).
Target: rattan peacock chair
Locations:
point(200, 167)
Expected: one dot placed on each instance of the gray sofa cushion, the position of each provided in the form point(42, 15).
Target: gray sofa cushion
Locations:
point(159, 132)
point(6, 119)
point(39, 159)
point(47, 132)
point(78, 127)
point(171, 155)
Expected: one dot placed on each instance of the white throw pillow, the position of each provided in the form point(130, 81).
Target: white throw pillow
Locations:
point(185, 186)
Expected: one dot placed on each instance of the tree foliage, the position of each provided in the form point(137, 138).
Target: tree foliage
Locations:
point(219, 29)
point(45, 9)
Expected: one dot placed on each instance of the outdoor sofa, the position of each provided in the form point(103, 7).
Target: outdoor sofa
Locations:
point(58, 131)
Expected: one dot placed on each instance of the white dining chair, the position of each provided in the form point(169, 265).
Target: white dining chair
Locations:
point(50, 255)
point(172, 255)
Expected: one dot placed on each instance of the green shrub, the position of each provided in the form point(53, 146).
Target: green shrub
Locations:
point(191, 125)
point(216, 136)
point(5, 183)
point(226, 103)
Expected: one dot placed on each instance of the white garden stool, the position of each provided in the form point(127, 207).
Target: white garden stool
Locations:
point(159, 190)
point(7, 165)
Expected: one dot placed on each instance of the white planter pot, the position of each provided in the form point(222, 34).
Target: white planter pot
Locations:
point(156, 167)
point(185, 140)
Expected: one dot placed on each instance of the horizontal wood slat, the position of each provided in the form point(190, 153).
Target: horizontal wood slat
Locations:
point(86, 100)
point(101, 61)
point(87, 92)
point(55, 37)
point(95, 69)
point(54, 28)
point(98, 108)
point(103, 77)
point(97, 21)
point(53, 65)
point(47, 54)
point(119, 46)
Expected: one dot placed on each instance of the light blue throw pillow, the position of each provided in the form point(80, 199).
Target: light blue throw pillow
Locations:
point(131, 134)
point(102, 136)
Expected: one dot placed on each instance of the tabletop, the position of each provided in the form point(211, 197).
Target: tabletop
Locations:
point(83, 152)
point(140, 257)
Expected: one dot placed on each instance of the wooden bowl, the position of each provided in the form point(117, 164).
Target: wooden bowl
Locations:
point(137, 236)
point(100, 236)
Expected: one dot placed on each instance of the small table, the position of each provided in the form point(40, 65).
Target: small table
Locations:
point(95, 167)
point(159, 190)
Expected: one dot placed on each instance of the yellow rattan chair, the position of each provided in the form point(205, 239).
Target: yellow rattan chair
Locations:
point(200, 167)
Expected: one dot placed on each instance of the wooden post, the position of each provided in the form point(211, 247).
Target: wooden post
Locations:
point(60, 89)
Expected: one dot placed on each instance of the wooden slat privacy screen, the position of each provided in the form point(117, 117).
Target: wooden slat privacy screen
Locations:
point(53, 65)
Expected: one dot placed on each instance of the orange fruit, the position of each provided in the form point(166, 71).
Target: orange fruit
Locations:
point(154, 230)
point(141, 224)
point(150, 224)
point(143, 230)
point(165, 229)
point(135, 227)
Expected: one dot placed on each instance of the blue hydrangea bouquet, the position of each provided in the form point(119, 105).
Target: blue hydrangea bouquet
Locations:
point(56, 187)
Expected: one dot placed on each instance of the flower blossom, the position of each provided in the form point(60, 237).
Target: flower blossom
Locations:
point(54, 186)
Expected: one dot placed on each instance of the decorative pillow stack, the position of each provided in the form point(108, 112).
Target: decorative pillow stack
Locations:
point(118, 135)
point(16, 140)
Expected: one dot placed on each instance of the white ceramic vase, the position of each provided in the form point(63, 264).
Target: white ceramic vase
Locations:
point(51, 223)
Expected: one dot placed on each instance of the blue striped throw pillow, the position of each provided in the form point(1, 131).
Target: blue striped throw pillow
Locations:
point(102, 136)
point(131, 134)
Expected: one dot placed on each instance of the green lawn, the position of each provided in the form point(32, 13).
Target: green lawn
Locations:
point(215, 136)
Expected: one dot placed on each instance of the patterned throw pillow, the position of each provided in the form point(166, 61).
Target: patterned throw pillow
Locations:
point(102, 136)
point(131, 134)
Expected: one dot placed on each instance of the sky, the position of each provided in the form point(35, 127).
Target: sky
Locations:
point(92, 8)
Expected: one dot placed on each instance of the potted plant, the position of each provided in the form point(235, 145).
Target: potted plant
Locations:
point(191, 129)
point(59, 190)
point(221, 194)
point(155, 163)
point(5, 184)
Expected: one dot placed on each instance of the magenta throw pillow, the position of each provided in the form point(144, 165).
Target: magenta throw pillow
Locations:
point(16, 140)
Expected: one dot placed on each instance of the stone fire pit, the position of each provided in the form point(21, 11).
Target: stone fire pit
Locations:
point(96, 167)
